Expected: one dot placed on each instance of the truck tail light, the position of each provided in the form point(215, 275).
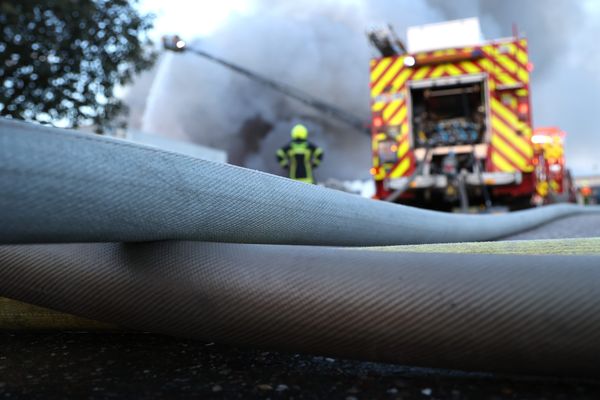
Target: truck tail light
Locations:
point(378, 122)
point(523, 111)
point(523, 108)
point(530, 67)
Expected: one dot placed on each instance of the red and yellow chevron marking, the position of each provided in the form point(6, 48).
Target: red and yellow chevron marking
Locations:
point(405, 164)
point(390, 75)
point(405, 157)
point(512, 149)
point(384, 73)
point(506, 63)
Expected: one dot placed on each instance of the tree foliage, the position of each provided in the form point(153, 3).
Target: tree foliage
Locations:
point(61, 59)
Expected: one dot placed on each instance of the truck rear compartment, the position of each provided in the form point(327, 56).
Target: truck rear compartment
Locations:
point(448, 115)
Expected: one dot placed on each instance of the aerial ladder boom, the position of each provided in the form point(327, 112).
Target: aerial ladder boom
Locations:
point(174, 43)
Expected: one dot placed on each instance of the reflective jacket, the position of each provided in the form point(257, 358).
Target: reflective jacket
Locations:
point(300, 157)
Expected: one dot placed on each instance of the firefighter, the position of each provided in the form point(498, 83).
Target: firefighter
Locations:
point(300, 156)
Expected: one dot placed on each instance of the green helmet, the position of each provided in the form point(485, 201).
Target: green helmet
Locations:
point(299, 132)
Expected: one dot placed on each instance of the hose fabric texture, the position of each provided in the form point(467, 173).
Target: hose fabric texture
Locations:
point(61, 186)
point(532, 314)
point(511, 313)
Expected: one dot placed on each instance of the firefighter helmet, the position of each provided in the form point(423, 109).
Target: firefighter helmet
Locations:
point(299, 132)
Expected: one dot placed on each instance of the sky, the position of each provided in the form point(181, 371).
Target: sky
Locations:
point(190, 18)
point(320, 46)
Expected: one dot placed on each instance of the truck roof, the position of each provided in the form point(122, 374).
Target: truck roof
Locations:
point(443, 35)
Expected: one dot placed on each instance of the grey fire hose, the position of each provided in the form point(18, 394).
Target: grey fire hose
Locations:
point(525, 314)
point(61, 186)
point(513, 313)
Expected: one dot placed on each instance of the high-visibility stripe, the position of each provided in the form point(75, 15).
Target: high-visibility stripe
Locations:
point(390, 109)
point(381, 66)
point(523, 75)
point(505, 122)
point(511, 137)
point(518, 70)
point(510, 119)
point(507, 151)
point(521, 144)
point(522, 92)
point(505, 113)
point(403, 148)
point(453, 70)
point(489, 50)
point(378, 106)
point(399, 116)
point(501, 164)
point(503, 77)
point(522, 58)
point(404, 129)
point(510, 152)
point(470, 67)
point(375, 82)
point(502, 72)
point(486, 65)
point(401, 168)
point(421, 73)
point(438, 71)
point(401, 79)
point(387, 77)
point(521, 53)
point(507, 64)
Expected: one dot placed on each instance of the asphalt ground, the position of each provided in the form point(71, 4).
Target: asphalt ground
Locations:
point(125, 365)
point(121, 365)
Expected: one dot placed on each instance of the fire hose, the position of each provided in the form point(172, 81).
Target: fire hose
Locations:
point(75, 206)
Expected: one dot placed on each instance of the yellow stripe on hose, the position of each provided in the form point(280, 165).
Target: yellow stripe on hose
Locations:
point(18, 316)
point(532, 247)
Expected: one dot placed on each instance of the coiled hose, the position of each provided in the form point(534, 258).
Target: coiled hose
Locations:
point(514, 313)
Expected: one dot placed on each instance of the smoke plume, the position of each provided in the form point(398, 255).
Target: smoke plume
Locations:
point(320, 47)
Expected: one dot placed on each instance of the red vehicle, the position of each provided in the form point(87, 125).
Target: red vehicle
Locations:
point(453, 126)
point(555, 182)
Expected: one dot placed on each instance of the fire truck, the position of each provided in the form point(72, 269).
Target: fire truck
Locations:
point(451, 125)
point(554, 181)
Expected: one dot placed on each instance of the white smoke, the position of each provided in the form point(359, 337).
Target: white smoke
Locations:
point(317, 46)
point(320, 47)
